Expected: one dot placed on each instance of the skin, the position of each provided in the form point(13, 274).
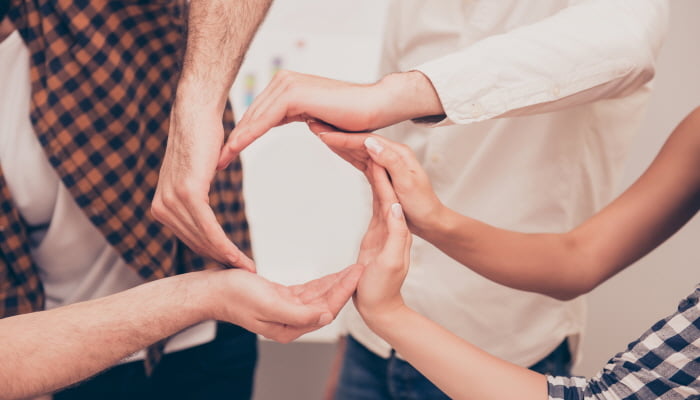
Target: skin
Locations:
point(105, 330)
point(665, 197)
point(6, 28)
point(218, 37)
point(460, 369)
point(351, 107)
point(562, 266)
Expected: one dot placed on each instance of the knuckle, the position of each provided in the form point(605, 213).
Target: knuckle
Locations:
point(404, 149)
point(282, 74)
point(184, 191)
point(158, 209)
point(391, 157)
point(286, 77)
point(168, 200)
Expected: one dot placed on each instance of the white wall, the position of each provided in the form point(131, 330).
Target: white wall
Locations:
point(293, 206)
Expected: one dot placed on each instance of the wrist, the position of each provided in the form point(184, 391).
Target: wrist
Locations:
point(438, 223)
point(202, 295)
point(384, 319)
point(411, 95)
point(197, 98)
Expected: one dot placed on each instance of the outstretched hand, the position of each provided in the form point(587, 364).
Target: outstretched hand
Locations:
point(278, 312)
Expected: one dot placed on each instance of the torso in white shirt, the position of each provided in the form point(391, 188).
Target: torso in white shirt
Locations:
point(75, 261)
point(540, 173)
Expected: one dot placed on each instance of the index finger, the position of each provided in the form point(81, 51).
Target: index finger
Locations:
point(219, 244)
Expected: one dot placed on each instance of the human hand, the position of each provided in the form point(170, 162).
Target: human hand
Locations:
point(181, 200)
point(411, 184)
point(278, 312)
point(385, 250)
point(351, 107)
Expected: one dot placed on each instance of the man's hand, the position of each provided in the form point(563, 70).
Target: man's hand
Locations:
point(105, 330)
point(181, 201)
point(292, 96)
point(385, 250)
point(408, 178)
point(219, 32)
point(278, 312)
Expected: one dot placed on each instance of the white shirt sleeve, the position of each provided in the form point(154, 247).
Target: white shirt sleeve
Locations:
point(597, 49)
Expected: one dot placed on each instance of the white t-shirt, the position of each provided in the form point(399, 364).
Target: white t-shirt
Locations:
point(543, 99)
point(74, 259)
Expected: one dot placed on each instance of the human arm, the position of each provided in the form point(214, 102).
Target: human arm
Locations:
point(85, 338)
point(352, 107)
point(592, 50)
point(561, 265)
point(219, 32)
point(596, 49)
point(457, 367)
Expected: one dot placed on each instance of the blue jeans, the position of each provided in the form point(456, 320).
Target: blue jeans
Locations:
point(366, 376)
point(221, 369)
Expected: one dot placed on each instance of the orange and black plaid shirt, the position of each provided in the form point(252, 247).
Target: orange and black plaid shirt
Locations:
point(103, 76)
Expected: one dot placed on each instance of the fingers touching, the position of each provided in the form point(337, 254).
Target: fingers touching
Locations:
point(310, 306)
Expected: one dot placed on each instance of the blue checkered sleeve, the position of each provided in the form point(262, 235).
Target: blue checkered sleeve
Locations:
point(664, 363)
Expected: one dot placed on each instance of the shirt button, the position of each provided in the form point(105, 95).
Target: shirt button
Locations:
point(435, 158)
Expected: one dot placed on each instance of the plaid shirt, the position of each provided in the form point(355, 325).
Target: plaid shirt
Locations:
point(663, 364)
point(103, 76)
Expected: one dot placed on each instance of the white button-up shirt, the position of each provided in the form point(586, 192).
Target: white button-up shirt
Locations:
point(543, 99)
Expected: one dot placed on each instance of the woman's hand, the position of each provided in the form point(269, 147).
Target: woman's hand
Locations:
point(384, 251)
point(410, 182)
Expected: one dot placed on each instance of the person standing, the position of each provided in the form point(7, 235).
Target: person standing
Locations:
point(87, 91)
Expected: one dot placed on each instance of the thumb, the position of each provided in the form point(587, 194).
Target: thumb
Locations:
point(318, 127)
point(344, 288)
point(301, 315)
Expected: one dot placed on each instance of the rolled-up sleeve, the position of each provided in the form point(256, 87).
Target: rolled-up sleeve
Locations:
point(597, 49)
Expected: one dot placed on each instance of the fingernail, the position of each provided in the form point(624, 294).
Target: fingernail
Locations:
point(325, 319)
point(373, 145)
point(396, 210)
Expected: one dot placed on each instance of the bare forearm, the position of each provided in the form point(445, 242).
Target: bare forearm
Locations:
point(409, 96)
point(550, 264)
point(219, 33)
point(457, 367)
point(569, 264)
point(44, 351)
